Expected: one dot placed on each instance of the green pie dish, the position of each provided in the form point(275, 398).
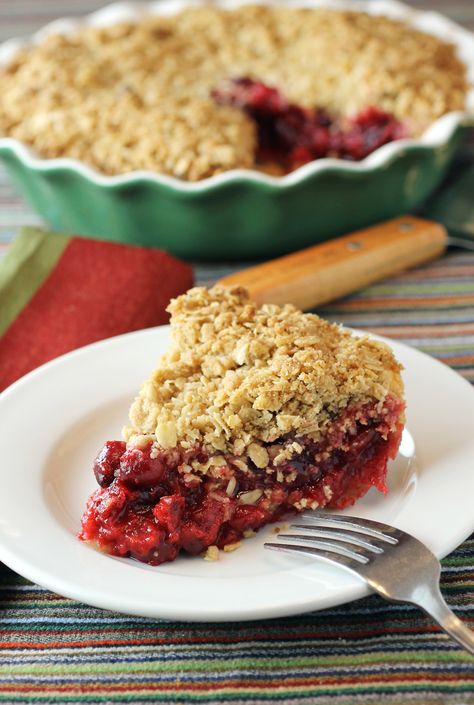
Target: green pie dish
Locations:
point(240, 214)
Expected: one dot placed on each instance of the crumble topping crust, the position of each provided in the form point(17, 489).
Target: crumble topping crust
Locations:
point(237, 376)
point(129, 96)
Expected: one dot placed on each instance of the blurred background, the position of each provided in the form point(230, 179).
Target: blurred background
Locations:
point(21, 17)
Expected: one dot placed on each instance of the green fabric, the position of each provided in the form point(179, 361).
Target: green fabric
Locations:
point(28, 263)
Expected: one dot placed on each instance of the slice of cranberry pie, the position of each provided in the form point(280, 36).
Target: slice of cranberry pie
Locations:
point(253, 413)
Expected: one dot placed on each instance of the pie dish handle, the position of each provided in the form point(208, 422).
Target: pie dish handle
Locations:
point(467, 120)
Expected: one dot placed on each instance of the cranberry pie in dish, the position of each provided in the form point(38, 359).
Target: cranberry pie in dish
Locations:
point(254, 413)
point(266, 88)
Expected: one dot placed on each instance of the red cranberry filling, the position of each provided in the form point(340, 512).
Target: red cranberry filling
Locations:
point(291, 135)
point(150, 508)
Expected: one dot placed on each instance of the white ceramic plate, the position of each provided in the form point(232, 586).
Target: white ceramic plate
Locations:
point(55, 420)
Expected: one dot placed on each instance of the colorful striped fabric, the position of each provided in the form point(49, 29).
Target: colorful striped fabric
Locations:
point(54, 650)
point(59, 651)
point(431, 308)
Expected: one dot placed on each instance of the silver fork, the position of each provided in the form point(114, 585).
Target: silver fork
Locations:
point(393, 563)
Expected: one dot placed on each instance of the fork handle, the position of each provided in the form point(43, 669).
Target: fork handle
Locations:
point(433, 603)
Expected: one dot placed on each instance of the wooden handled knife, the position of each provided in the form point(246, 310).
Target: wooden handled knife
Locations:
point(322, 273)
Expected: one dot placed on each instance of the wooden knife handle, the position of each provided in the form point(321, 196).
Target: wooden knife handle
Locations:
point(338, 267)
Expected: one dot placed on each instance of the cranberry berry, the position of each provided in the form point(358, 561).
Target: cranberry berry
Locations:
point(107, 462)
point(291, 135)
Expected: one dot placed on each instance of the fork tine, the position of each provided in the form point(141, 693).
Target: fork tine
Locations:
point(350, 538)
point(406, 571)
point(330, 556)
point(386, 533)
point(339, 547)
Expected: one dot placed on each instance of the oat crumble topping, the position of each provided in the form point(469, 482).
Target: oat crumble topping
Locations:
point(238, 376)
point(211, 554)
point(130, 96)
point(230, 547)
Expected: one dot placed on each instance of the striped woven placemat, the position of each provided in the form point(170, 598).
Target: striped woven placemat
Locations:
point(54, 650)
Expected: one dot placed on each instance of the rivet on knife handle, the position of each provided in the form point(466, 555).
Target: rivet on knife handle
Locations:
point(325, 272)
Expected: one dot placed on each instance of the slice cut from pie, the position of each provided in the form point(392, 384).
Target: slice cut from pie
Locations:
point(289, 135)
point(252, 414)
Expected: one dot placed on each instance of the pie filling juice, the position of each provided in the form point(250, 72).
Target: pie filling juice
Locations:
point(289, 135)
point(151, 508)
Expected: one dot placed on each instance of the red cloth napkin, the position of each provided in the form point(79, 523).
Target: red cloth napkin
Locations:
point(58, 293)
